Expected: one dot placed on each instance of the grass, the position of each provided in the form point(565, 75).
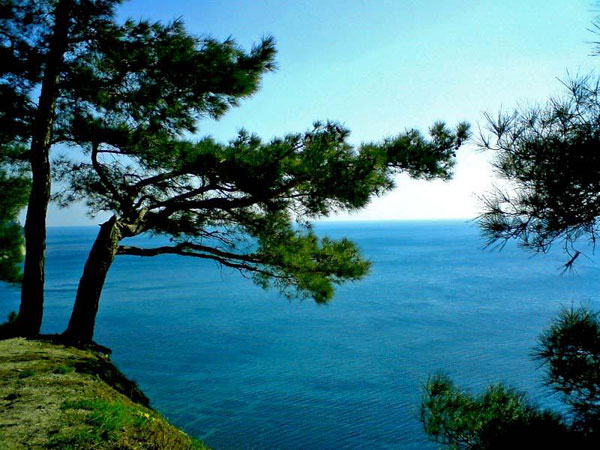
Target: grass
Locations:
point(56, 397)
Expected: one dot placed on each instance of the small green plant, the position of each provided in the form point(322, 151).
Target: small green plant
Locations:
point(63, 370)
point(26, 373)
point(12, 317)
point(6, 326)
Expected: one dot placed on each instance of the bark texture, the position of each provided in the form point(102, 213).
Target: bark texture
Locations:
point(83, 317)
point(32, 293)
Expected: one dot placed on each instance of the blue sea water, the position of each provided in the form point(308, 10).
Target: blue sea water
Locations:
point(242, 368)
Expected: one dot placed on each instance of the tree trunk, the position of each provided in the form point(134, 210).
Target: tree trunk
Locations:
point(31, 310)
point(83, 317)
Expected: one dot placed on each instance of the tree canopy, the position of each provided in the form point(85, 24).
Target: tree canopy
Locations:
point(246, 204)
point(570, 351)
point(236, 203)
point(549, 157)
point(72, 66)
point(498, 418)
point(127, 96)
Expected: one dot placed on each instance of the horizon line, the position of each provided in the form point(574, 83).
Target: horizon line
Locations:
point(324, 221)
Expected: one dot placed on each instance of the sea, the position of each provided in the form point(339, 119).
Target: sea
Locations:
point(244, 368)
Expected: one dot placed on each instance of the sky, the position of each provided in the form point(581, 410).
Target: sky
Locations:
point(382, 66)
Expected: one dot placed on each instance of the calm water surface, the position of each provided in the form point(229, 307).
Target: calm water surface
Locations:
point(242, 368)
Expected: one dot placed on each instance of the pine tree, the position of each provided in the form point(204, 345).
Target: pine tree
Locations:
point(86, 67)
point(39, 41)
point(246, 204)
point(125, 94)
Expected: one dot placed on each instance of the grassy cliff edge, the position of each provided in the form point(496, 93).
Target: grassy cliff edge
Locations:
point(57, 397)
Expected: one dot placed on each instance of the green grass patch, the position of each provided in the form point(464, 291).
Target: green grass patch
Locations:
point(104, 422)
point(56, 397)
point(63, 369)
point(26, 373)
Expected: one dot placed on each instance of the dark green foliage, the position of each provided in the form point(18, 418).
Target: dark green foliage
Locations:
point(236, 203)
point(11, 251)
point(144, 81)
point(130, 82)
point(549, 155)
point(74, 75)
point(14, 189)
point(498, 418)
point(126, 94)
point(26, 28)
point(12, 316)
point(570, 351)
point(6, 327)
point(502, 418)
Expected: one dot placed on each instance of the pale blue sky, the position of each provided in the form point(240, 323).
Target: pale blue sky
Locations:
point(382, 66)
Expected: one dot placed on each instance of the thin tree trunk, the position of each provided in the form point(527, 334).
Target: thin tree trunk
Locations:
point(31, 310)
point(83, 317)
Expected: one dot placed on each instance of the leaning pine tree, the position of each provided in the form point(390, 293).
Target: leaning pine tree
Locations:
point(64, 60)
point(238, 203)
point(246, 204)
point(139, 90)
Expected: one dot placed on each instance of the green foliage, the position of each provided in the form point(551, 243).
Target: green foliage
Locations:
point(6, 327)
point(74, 75)
point(549, 156)
point(12, 317)
point(26, 28)
point(106, 418)
point(570, 351)
point(236, 203)
point(114, 424)
point(498, 418)
point(502, 418)
point(144, 81)
point(124, 84)
point(14, 189)
point(11, 251)
point(129, 91)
